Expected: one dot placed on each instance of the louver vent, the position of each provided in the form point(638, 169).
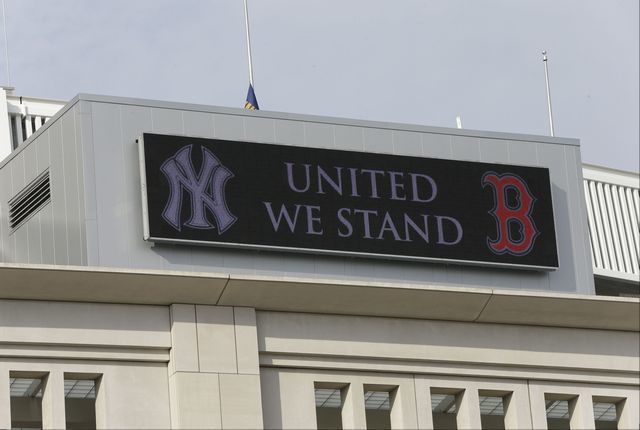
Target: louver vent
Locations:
point(29, 201)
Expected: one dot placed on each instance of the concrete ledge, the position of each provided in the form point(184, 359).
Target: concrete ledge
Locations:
point(424, 301)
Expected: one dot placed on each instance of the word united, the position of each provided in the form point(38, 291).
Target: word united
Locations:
point(365, 184)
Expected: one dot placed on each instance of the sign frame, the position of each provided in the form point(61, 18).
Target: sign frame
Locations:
point(329, 252)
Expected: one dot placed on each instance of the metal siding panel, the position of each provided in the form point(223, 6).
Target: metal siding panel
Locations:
point(47, 239)
point(30, 161)
point(615, 234)
point(228, 127)
point(465, 148)
point(276, 263)
point(239, 261)
point(523, 153)
point(335, 266)
point(407, 143)
point(72, 209)
point(289, 132)
point(318, 135)
point(579, 227)
point(348, 138)
point(18, 180)
point(167, 121)
point(109, 182)
point(593, 234)
point(205, 259)
point(378, 140)
point(606, 216)
point(33, 237)
point(634, 213)
point(598, 226)
point(360, 268)
point(477, 276)
point(198, 124)
point(58, 194)
point(4, 216)
point(437, 145)
point(174, 257)
point(84, 125)
point(47, 250)
point(259, 129)
point(136, 120)
point(624, 244)
point(33, 225)
point(77, 120)
point(21, 241)
point(553, 157)
point(494, 150)
point(634, 219)
point(631, 245)
point(19, 245)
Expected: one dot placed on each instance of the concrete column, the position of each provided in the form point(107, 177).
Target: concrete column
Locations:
point(5, 399)
point(423, 401)
point(101, 403)
point(246, 340)
point(468, 407)
point(516, 410)
point(184, 342)
point(581, 412)
point(53, 412)
point(214, 374)
point(195, 400)
point(403, 407)
point(538, 408)
point(628, 413)
point(240, 401)
point(353, 413)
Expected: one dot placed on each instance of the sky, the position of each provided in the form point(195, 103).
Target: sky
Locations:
point(409, 61)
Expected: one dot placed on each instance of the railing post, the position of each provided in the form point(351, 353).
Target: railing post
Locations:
point(6, 144)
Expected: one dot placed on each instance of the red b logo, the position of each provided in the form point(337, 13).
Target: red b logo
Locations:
point(505, 214)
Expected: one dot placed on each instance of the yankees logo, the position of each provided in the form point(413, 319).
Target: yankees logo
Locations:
point(205, 189)
point(506, 215)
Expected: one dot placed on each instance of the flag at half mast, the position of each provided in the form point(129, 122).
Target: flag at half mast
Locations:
point(252, 102)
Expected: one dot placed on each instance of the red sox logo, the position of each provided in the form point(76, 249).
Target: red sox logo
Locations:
point(506, 215)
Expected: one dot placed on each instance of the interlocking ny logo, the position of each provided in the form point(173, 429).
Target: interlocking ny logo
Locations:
point(205, 189)
point(506, 215)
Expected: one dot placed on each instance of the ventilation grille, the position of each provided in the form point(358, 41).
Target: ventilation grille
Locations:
point(29, 201)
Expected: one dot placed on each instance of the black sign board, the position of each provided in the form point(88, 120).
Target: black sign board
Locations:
point(228, 193)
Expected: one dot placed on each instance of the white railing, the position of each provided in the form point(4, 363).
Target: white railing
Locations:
point(27, 114)
point(20, 117)
point(613, 210)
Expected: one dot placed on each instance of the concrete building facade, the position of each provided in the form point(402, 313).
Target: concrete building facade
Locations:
point(100, 328)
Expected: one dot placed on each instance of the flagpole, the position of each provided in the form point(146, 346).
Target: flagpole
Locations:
point(6, 43)
point(546, 78)
point(246, 21)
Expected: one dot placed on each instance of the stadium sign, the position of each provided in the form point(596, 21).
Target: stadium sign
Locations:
point(242, 194)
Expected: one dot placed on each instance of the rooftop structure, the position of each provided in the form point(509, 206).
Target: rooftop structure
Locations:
point(148, 280)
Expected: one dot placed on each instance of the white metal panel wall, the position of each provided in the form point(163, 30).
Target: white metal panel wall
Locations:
point(114, 213)
point(613, 204)
point(56, 233)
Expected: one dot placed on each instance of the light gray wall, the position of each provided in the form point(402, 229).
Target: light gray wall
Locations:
point(108, 128)
point(56, 234)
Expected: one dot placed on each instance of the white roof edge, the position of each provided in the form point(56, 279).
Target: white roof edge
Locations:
point(39, 99)
point(309, 295)
point(611, 175)
point(328, 120)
